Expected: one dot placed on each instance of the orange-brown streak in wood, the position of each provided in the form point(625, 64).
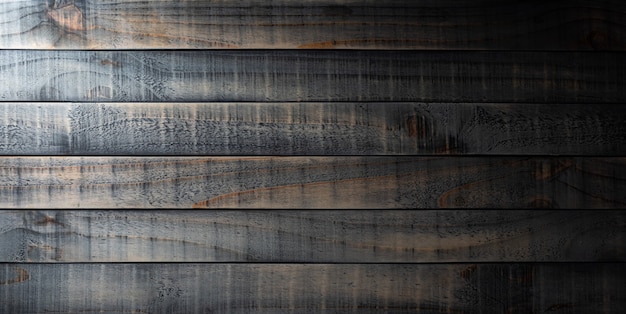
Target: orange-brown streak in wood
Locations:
point(211, 43)
point(47, 249)
point(49, 220)
point(443, 202)
point(185, 178)
point(68, 17)
point(236, 194)
point(203, 177)
point(22, 275)
point(553, 172)
point(206, 203)
point(110, 62)
point(468, 272)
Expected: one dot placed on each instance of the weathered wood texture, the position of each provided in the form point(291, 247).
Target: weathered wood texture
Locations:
point(266, 75)
point(364, 236)
point(311, 129)
point(312, 182)
point(365, 24)
point(313, 288)
point(463, 77)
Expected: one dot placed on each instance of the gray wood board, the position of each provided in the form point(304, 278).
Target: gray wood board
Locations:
point(313, 288)
point(313, 182)
point(319, 24)
point(311, 129)
point(337, 236)
point(295, 75)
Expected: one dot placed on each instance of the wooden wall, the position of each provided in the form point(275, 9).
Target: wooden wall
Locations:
point(323, 156)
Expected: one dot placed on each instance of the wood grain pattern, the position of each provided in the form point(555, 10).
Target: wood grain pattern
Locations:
point(311, 129)
point(144, 94)
point(319, 24)
point(328, 236)
point(313, 288)
point(266, 75)
point(312, 182)
point(34, 129)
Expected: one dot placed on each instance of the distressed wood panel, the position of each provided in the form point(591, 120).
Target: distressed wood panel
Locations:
point(540, 98)
point(400, 24)
point(312, 182)
point(34, 129)
point(314, 288)
point(311, 129)
point(337, 236)
point(278, 75)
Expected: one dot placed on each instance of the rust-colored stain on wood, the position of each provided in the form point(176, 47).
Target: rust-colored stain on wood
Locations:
point(22, 275)
point(46, 220)
point(66, 15)
point(468, 272)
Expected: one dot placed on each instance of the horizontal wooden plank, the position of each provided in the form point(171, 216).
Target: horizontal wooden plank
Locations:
point(337, 236)
point(312, 182)
point(297, 288)
point(311, 129)
point(34, 129)
point(266, 75)
point(320, 24)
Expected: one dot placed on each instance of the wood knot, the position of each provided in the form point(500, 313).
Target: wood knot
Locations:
point(597, 40)
point(66, 15)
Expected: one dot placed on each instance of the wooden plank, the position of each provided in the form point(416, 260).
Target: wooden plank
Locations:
point(329, 236)
point(34, 129)
point(319, 24)
point(265, 76)
point(313, 288)
point(311, 129)
point(312, 182)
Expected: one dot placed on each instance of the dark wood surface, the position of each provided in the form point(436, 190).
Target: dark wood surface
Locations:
point(313, 288)
point(320, 236)
point(311, 129)
point(318, 24)
point(313, 182)
point(294, 75)
point(147, 95)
